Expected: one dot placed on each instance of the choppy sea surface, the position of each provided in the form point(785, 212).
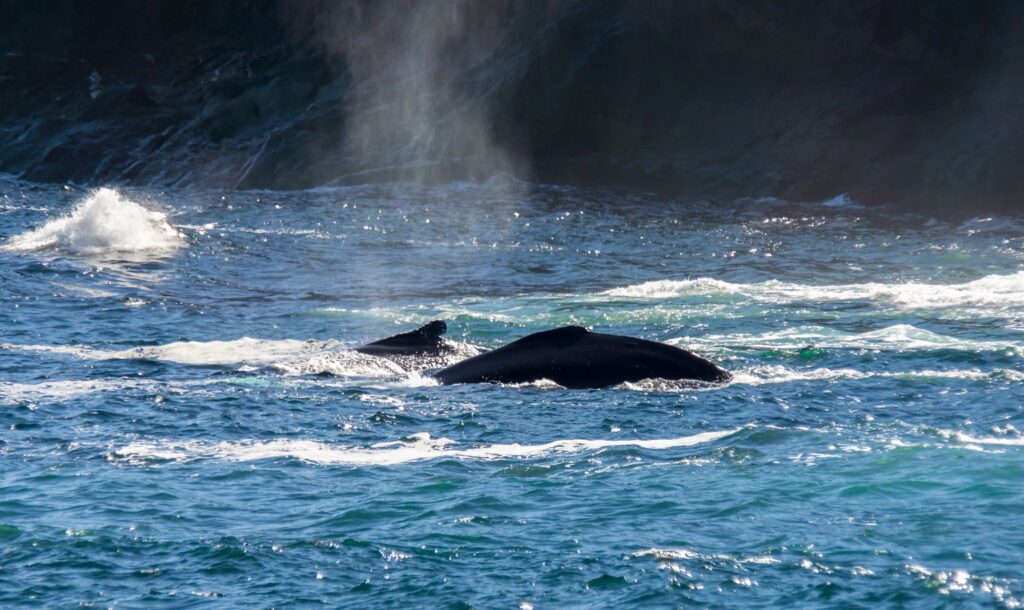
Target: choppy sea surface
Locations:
point(184, 423)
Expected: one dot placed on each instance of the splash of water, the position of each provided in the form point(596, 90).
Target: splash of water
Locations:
point(104, 222)
point(421, 103)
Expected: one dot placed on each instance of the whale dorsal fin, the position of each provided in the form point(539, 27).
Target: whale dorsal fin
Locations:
point(428, 334)
point(432, 330)
point(566, 335)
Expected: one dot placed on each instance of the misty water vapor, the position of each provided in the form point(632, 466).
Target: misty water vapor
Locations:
point(421, 99)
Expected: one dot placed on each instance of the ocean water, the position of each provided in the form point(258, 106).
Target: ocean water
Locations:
point(184, 423)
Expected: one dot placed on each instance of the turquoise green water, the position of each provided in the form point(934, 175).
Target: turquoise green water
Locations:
point(184, 424)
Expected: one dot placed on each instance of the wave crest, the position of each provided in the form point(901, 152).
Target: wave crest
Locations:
point(104, 222)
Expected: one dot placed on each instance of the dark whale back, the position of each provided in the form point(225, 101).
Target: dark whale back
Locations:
point(574, 357)
point(426, 340)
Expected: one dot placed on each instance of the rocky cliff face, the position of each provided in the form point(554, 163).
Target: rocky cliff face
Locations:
point(895, 101)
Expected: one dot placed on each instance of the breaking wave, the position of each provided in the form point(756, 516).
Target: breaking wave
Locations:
point(104, 222)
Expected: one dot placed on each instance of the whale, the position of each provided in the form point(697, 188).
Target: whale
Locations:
point(571, 356)
point(412, 349)
point(425, 340)
point(574, 357)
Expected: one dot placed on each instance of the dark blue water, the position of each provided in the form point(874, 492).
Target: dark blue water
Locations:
point(184, 426)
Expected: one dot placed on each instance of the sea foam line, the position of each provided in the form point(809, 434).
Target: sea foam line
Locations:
point(902, 336)
point(999, 290)
point(418, 447)
point(64, 389)
point(769, 374)
point(289, 356)
point(245, 350)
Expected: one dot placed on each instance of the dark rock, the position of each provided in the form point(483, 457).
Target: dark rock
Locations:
point(911, 102)
point(137, 95)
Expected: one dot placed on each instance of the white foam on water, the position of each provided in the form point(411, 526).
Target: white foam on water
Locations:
point(898, 336)
point(416, 448)
point(340, 363)
point(770, 374)
point(666, 385)
point(289, 356)
point(381, 399)
point(959, 581)
point(540, 384)
point(454, 312)
point(77, 351)
point(57, 391)
point(60, 390)
point(247, 350)
point(662, 554)
point(667, 289)
point(909, 336)
point(104, 222)
point(991, 290)
point(767, 374)
point(65, 289)
point(967, 439)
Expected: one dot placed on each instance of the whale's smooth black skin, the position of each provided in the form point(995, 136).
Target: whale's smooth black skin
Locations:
point(574, 357)
point(425, 341)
